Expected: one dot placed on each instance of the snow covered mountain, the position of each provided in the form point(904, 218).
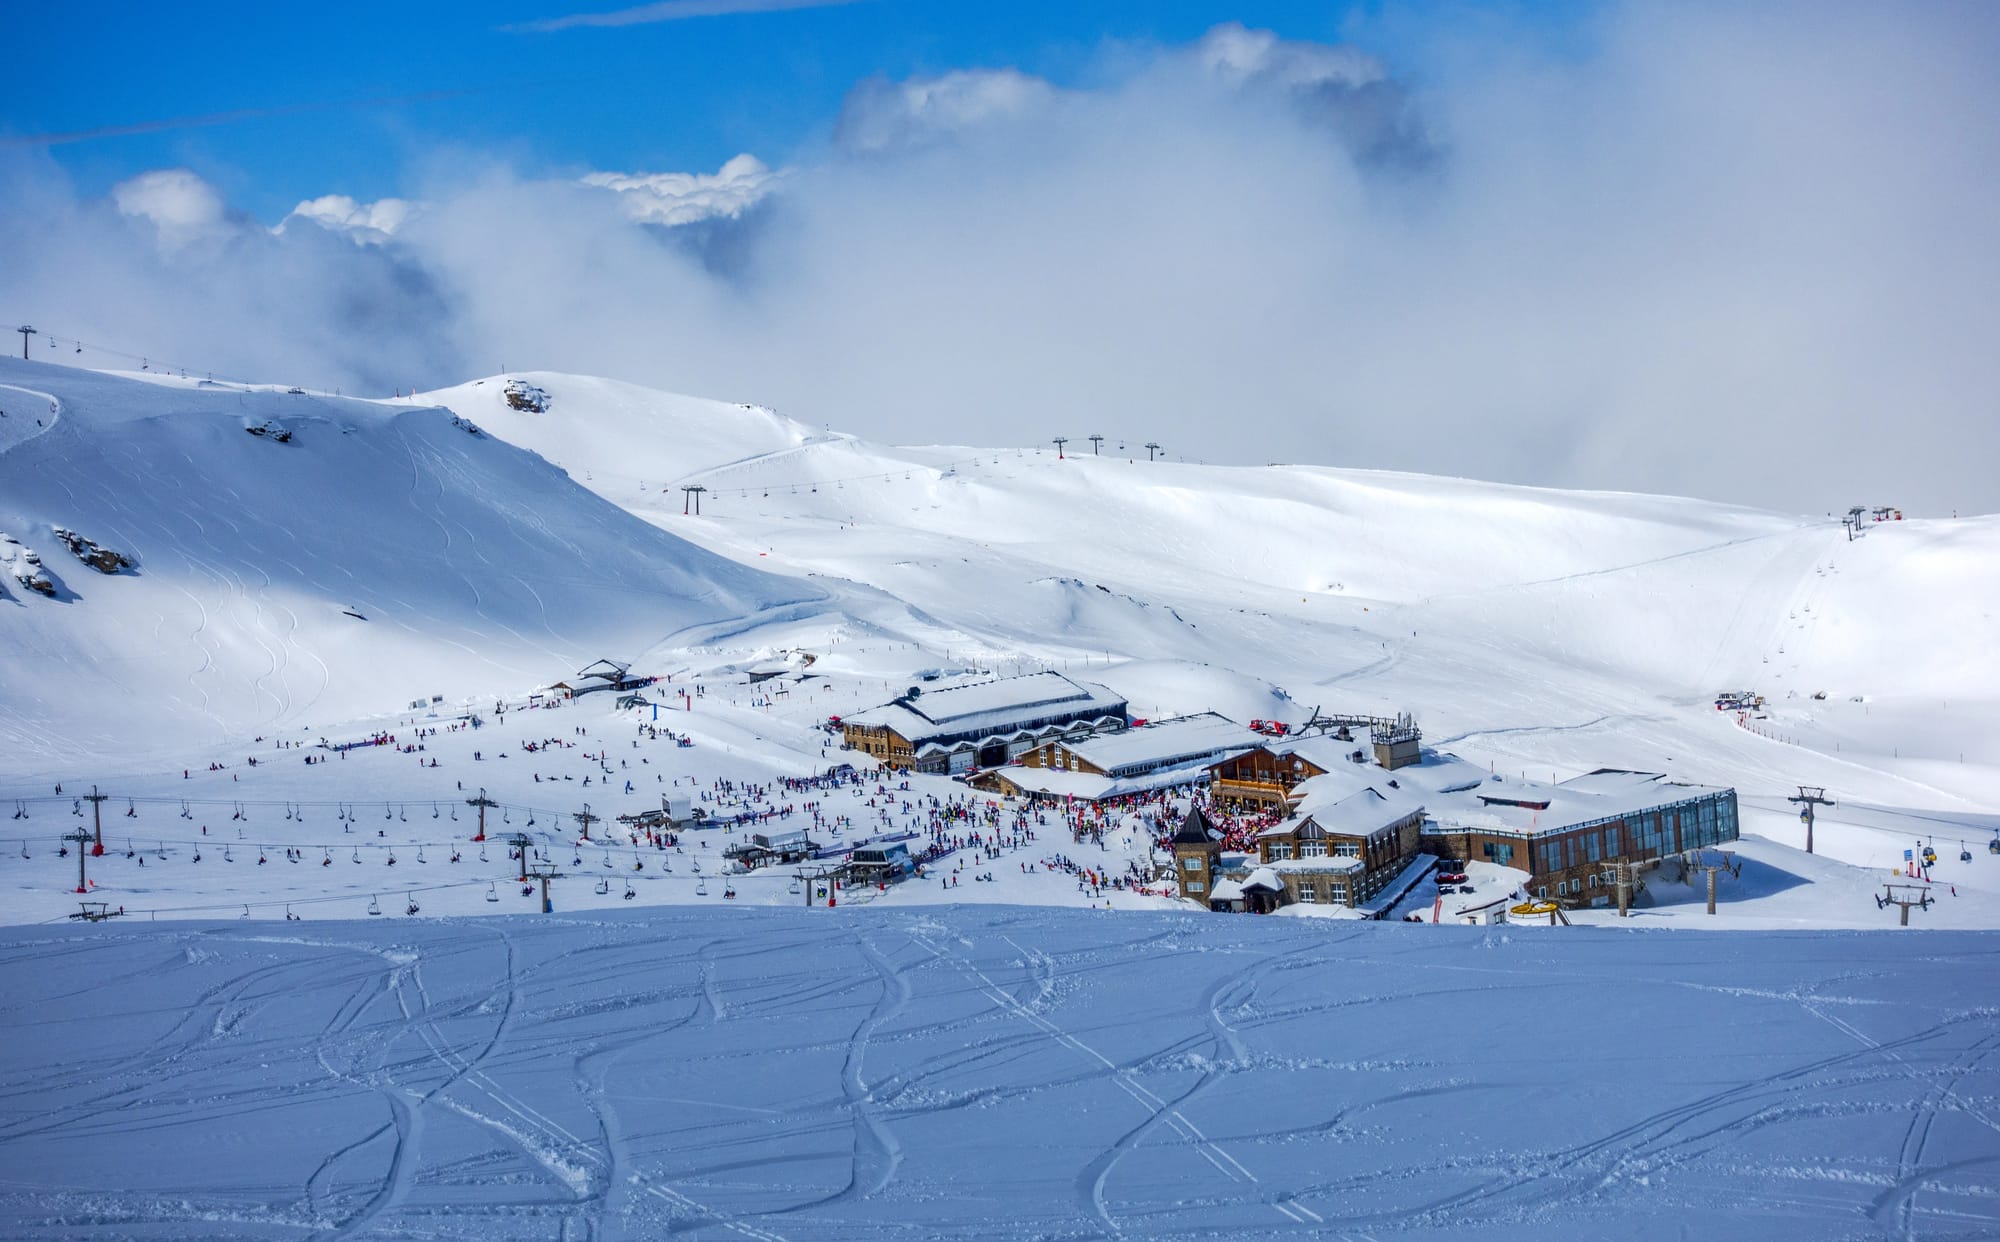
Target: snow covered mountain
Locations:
point(357, 556)
point(1538, 626)
point(301, 561)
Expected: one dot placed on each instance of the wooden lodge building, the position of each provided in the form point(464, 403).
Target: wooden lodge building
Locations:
point(982, 724)
point(1568, 836)
point(1160, 755)
point(1266, 778)
point(1345, 852)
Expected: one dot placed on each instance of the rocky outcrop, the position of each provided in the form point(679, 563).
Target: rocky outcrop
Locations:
point(100, 558)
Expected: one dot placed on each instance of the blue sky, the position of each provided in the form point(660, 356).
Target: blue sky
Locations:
point(668, 95)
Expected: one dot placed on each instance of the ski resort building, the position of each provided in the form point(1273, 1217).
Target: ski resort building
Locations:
point(1345, 851)
point(1263, 777)
point(1569, 835)
point(1266, 778)
point(1346, 834)
point(1109, 765)
point(983, 724)
point(1197, 850)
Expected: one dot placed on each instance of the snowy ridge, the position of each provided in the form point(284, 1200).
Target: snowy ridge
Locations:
point(341, 559)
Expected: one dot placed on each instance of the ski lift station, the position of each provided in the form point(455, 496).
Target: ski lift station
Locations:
point(982, 724)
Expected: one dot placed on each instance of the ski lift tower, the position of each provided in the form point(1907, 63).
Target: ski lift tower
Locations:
point(1095, 441)
point(96, 801)
point(519, 843)
point(543, 873)
point(585, 819)
point(26, 331)
point(1810, 798)
point(82, 839)
point(1904, 896)
point(1151, 448)
point(1060, 441)
point(482, 802)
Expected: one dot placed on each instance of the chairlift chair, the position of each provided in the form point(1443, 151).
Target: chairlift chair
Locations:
point(245, 914)
point(701, 888)
point(226, 857)
point(630, 893)
point(420, 855)
point(603, 887)
point(412, 908)
point(374, 906)
point(1964, 855)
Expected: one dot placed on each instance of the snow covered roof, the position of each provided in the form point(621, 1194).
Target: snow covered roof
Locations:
point(1089, 785)
point(1498, 802)
point(1226, 890)
point(1264, 878)
point(1366, 812)
point(1188, 739)
point(988, 708)
point(1321, 750)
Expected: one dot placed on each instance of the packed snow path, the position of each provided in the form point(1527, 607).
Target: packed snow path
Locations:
point(991, 1072)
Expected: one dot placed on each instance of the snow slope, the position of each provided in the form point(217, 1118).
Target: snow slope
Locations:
point(475, 568)
point(1531, 626)
point(990, 1073)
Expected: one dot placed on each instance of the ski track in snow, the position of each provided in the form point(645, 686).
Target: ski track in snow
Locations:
point(986, 1072)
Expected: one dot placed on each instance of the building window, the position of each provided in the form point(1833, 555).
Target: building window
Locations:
point(1308, 894)
point(1313, 849)
point(1542, 893)
point(1281, 849)
point(1346, 849)
point(1593, 879)
point(1196, 886)
point(1193, 862)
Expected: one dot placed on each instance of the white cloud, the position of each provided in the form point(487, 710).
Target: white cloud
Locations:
point(1236, 53)
point(881, 115)
point(1711, 250)
point(368, 223)
point(685, 198)
point(181, 206)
